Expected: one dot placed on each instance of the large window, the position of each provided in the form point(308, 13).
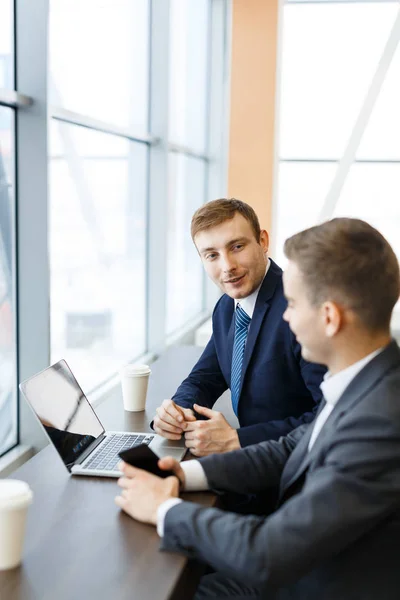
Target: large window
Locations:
point(189, 96)
point(339, 136)
point(189, 73)
point(6, 44)
point(8, 372)
point(97, 250)
point(104, 156)
point(110, 139)
point(184, 271)
point(99, 59)
point(98, 183)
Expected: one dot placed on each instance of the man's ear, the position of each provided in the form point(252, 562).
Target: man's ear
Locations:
point(333, 318)
point(264, 240)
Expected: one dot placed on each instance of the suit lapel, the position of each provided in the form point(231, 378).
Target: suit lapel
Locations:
point(265, 294)
point(355, 391)
point(299, 455)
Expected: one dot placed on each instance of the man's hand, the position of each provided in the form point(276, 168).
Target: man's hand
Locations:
point(167, 463)
point(170, 420)
point(142, 492)
point(214, 435)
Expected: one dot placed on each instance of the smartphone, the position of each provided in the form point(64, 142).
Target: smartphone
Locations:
point(143, 458)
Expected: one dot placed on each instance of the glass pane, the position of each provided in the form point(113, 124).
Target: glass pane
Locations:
point(302, 188)
point(8, 392)
point(330, 54)
point(97, 231)
point(381, 139)
point(184, 271)
point(99, 59)
point(372, 192)
point(189, 45)
point(6, 44)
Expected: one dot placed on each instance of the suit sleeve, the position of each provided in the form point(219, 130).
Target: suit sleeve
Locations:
point(205, 384)
point(352, 492)
point(222, 470)
point(312, 375)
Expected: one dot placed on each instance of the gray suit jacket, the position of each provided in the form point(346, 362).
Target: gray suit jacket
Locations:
point(336, 532)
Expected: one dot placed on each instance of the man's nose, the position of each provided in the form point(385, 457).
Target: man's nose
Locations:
point(228, 263)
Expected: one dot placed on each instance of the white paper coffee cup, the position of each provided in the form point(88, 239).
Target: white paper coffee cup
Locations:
point(15, 497)
point(134, 381)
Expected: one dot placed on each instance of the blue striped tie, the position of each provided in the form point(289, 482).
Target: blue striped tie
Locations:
point(242, 321)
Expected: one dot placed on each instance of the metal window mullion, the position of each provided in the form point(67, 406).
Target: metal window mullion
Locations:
point(158, 178)
point(218, 114)
point(73, 118)
point(191, 152)
point(13, 99)
point(308, 160)
point(33, 278)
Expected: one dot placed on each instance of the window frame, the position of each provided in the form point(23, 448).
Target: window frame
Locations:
point(349, 158)
point(29, 99)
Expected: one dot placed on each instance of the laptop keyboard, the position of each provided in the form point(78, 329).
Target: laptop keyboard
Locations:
point(107, 458)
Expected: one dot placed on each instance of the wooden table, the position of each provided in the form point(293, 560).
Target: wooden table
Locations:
point(78, 543)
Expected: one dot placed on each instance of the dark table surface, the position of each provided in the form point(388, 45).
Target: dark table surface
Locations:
point(78, 543)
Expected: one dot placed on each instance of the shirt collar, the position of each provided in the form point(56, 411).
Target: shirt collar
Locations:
point(248, 304)
point(333, 386)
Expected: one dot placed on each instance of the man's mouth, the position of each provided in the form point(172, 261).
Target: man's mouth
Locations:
point(234, 279)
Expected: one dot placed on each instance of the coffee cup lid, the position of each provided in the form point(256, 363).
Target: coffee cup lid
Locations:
point(136, 370)
point(14, 493)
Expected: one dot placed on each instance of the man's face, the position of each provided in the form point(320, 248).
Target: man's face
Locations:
point(232, 257)
point(305, 320)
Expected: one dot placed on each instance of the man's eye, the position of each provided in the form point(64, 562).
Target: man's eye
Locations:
point(238, 246)
point(210, 256)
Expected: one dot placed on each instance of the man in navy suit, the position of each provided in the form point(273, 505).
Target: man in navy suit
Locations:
point(273, 388)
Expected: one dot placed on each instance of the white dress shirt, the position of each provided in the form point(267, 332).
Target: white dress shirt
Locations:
point(248, 304)
point(332, 388)
point(195, 480)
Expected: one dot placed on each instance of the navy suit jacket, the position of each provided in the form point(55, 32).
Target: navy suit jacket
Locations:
point(279, 389)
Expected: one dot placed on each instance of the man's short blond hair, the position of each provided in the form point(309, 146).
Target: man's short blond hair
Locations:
point(216, 212)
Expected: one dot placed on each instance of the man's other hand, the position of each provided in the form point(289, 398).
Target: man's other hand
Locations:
point(167, 463)
point(142, 492)
point(211, 436)
point(171, 419)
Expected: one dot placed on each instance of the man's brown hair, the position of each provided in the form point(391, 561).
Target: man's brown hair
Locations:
point(216, 212)
point(349, 262)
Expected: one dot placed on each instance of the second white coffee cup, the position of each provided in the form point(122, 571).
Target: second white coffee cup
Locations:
point(15, 497)
point(134, 381)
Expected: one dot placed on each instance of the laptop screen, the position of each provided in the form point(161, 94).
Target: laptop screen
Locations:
point(63, 410)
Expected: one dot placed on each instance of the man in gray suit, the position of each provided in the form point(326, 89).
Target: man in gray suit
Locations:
point(335, 532)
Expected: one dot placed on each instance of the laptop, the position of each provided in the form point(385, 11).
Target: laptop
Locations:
point(73, 427)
